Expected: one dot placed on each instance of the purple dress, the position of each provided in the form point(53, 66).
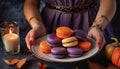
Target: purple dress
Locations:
point(77, 21)
point(80, 21)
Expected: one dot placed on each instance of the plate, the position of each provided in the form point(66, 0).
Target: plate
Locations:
point(48, 57)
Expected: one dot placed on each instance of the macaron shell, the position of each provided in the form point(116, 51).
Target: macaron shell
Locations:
point(74, 51)
point(58, 50)
point(45, 51)
point(64, 32)
point(74, 56)
point(85, 45)
point(53, 40)
point(53, 44)
point(44, 47)
point(70, 42)
point(63, 35)
point(58, 56)
point(70, 39)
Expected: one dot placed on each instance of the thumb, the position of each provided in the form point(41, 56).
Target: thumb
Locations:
point(31, 39)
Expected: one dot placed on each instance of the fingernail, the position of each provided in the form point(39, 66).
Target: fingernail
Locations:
point(31, 42)
point(30, 50)
point(99, 44)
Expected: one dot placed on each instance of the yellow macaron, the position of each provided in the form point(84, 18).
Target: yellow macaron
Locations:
point(70, 42)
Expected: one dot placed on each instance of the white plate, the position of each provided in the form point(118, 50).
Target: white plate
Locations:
point(48, 57)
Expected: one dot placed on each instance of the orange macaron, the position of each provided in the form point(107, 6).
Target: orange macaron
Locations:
point(85, 45)
point(64, 32)
point(44, 47)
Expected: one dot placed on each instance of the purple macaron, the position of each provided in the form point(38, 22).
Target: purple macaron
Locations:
point(80, 34)
point(58, 52)
point(53, 40)
point(74, 52)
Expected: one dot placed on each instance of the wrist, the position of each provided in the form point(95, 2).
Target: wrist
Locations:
point(102, 18)
point(101, 21)
point(35, 22)
point(98, 26)
point(31, 19)
point(105, 18)
point(37, 26)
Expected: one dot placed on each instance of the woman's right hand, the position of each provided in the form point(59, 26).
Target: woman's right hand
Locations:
point(33, 34)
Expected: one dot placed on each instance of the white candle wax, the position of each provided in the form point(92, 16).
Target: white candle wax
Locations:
point(11, 42)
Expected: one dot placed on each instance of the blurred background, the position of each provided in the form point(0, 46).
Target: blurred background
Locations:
point(13, 9)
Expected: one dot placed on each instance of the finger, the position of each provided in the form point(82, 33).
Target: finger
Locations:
point(99, 41)
point(27, 41)
point(103, 41)
point(32, 37)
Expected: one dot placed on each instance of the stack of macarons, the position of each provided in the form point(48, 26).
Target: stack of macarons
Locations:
point(64, 43)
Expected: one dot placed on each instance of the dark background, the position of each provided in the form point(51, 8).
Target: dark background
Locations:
point(13, 9)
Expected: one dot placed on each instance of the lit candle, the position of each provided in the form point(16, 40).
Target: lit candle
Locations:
point(11, 42)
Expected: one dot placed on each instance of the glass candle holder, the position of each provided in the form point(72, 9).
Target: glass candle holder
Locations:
point(10, 37)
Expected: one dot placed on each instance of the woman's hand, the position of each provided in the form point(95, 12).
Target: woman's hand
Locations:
point(97, 34)
point(33, 34)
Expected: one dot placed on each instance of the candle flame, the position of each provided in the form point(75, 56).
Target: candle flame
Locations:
point(10, 30)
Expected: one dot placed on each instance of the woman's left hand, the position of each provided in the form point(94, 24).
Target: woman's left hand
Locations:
point(97, 34)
